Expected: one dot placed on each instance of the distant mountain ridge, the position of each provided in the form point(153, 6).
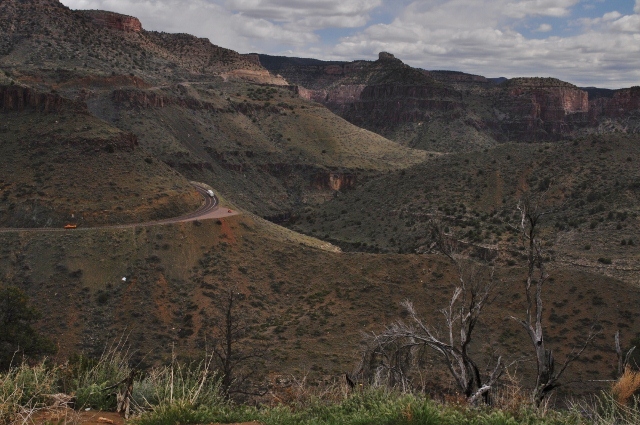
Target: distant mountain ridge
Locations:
point(393, 99)
point(45, 36)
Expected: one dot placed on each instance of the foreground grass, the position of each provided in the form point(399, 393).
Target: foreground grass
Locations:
point(374, 406)
point(190, 394)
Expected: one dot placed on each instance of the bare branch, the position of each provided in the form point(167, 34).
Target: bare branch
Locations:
point(547, 378)
point(393, 353)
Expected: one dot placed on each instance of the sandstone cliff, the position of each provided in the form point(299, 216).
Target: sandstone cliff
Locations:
point(622, 103)
point(541, 109)
point(113, 20)
point(18, 98)
point(398, 101)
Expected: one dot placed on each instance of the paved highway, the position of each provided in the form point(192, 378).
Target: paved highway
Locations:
point(209, 209)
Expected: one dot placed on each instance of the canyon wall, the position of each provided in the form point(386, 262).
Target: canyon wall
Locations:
point(149, 99)
point(18, 98)
point(542, 109)
point(621, 104)
point(114, 20)
point(384, 95)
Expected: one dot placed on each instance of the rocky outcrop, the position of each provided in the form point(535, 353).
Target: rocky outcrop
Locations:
point(100, 81)
point(260, 76)
point(382, 107)
point(150, 99)
point(199, 55)
point(541, 109)
point(122, 142)
point(336, 96)
point(552, 97)
point(621, 104)
point(18, 98)
point(253, 58)
point(458, 77)
point(115, 21)
point(334, 181)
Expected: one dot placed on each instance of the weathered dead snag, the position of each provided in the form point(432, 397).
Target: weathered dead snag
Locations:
point(548, 376)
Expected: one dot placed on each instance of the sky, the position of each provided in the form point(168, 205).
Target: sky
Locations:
point(584, 42)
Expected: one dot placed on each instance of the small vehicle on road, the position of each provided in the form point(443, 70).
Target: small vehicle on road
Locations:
point(70, 226)
point(210, 193)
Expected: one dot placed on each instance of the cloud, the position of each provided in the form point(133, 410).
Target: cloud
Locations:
point(629, 23)
point(311, 14)
point(480, 37)
point(555, 8)
point(544, 28)
point(243, 25)
point(611, 16)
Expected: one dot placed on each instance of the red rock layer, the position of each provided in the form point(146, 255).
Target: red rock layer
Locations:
point(623, 102)
point(18, 98)
point(114, 21)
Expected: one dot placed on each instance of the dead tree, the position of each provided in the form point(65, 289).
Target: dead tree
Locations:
point(230, 349)
point(548, 376)
point(623, 360)
point(393, 350)
point(124, 393)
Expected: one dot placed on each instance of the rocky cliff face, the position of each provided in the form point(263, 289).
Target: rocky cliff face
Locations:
point(391, 98)
point(381, 107)
point(18, 98)
point(542, 109)
point(145, 99)
point(623, 102)
point(375, 95)
point(114, 20)
point(333, 181)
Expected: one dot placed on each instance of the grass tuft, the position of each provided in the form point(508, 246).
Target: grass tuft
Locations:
point(626, 386)
point(24, 390)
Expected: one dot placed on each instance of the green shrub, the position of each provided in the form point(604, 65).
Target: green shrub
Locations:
point(17, 337)
point(89, 379)
point(194, 384)
point(23, 389)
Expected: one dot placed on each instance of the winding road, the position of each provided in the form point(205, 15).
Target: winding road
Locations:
point(208, 210)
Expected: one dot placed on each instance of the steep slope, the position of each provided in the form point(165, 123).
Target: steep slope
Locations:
point(61, 165)
point(593, 192)
point(47, 42)
point(264, 146)
point(194, 106)
point(311, 306)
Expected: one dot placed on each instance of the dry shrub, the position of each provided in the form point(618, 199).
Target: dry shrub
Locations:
point(297, 393)
point(510, 396)
point(57, 416)
point(25, 390)
point(626, 386)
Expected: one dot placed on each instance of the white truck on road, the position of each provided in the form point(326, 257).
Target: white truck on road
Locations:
point(210, 193)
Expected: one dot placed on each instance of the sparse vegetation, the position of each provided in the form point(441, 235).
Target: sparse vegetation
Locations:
point(116, 124)
point(18, 338)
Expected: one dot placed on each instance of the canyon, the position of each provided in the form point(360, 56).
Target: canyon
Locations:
point(386, 95)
